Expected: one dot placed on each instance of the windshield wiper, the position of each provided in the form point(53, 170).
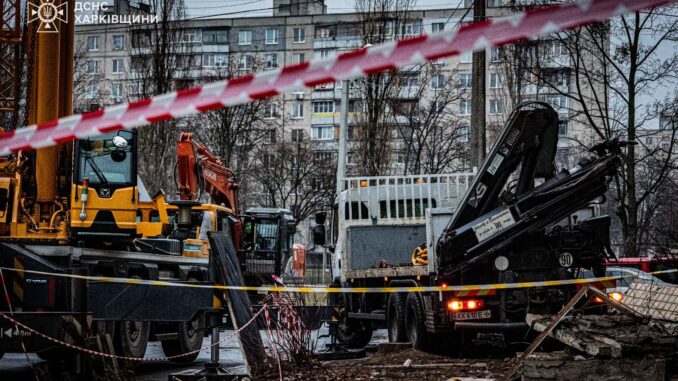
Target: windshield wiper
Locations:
point(97, 171)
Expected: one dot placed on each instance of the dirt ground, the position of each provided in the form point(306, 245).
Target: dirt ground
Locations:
point(391, 366)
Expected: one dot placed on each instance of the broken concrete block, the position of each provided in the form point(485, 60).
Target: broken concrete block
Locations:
point(559, 366)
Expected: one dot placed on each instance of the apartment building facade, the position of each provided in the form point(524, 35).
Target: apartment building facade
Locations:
point(300, 31)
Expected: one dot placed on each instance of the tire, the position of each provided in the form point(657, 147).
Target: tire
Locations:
point(131, 337)
point(353, 334)
point(189, 339)
point(395, 318)
point(416, 322)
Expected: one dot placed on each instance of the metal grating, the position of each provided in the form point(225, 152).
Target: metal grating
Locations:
point(653, 300)
point(10, 40)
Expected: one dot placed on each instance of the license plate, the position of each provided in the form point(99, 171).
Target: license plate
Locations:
point(485, 314)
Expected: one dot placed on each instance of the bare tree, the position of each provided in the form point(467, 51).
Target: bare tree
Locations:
point(434, 137)
point(87, 89)
point(291, 175)
point(156, 69)
point(378, 22)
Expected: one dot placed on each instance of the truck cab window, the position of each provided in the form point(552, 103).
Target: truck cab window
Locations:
point(107, 159)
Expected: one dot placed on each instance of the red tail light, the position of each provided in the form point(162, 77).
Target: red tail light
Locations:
point(465, 305)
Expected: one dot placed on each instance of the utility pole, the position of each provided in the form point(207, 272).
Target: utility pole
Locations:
point(478, 96)
point(343, 132)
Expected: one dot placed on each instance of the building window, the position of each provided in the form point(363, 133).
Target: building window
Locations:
point(322, 132)
point(117, 66)
point(118, 42)
point(116, 92)
point(437, 81)
point(323, 107)
point(558, 79)
point(271, 36)
point(92, 66)
point(562, 127)
point(92, 91)
point(270, 111)
point(649, 140)
point(463, 133)
point(298, 135)
point(245, 37)
point(215, 37)
point(410, 79)
point(245, 62)
point(412, 29)
point(93, 43)
point(558, 102)
point(465, 80)
point(271, 60)
point(191, 35)
point(495, 55)
point(666, 147)
point(298, 58)
point(464, 107)
point(557, 48)
point(324, 32)
point(299, 35)
point(269, 137)
point(297, 110)
point(324, 53)
point(466, 57)
point(437, 27)
point(496, 106)
point(495, 80)
point(213, 59)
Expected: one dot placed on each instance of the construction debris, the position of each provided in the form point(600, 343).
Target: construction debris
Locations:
point(558, 366)
point(611, 336)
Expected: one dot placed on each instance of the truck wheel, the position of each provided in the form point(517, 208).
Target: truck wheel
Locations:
point(353, 334)
point(416, 323)
point(395, 317)
point(189, 339)
point(131, 337)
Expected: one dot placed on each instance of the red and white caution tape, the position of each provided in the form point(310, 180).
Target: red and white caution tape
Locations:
point(353, 64)
point(128, 358)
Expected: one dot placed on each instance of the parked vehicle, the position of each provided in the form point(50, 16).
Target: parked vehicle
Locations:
point(517, 219)
point(650, 264)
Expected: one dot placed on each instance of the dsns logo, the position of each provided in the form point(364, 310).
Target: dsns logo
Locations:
point(48, 13)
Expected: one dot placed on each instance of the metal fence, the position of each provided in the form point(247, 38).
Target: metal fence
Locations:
point(399, 199)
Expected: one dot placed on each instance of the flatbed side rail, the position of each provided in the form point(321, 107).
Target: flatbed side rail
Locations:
point(371, 200)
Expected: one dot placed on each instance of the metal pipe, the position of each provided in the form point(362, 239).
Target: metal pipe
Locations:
point(490, 326)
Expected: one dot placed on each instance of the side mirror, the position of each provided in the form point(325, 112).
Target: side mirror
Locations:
point(118, 156)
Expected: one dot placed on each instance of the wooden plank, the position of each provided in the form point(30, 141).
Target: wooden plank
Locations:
point(547, 330)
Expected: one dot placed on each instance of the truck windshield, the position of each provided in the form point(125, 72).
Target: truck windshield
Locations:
point(266, 234)
point(102, 162)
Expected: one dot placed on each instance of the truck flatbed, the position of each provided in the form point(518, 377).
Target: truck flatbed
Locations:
point(391, 272)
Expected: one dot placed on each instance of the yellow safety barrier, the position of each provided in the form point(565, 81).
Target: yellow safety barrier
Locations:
point(321, 289)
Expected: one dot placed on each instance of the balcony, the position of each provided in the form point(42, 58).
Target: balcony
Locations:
point(340, 42)
point(325, 94)
point(325, 118)
point(214, 49)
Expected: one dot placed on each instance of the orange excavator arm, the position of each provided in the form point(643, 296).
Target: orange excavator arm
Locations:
point(199, 170)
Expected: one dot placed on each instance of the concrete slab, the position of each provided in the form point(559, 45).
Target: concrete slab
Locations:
point(559, 366)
